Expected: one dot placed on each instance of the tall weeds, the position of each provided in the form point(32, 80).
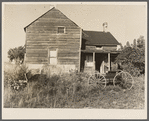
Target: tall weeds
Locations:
point(67, 90)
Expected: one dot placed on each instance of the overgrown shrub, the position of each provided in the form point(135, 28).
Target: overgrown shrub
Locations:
point(16, 77)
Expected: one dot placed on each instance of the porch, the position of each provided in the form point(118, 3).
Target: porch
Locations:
point(101, 61)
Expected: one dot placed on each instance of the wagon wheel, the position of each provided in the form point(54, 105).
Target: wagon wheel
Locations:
point(123, 79)
point(101, 81)
point(98, 80)
point(92, 79)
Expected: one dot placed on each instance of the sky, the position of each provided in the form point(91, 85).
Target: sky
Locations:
point(126, 21)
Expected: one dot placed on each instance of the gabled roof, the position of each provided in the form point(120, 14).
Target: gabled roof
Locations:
point(91, 37)
point(99, 38)
point(45, 14)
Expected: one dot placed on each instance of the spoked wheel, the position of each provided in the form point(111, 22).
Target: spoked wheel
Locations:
point(123, 79)
point(98, 80)
point(101, 81)
point(92, 79)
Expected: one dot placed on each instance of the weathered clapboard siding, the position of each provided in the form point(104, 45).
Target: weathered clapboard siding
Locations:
point(42, 36)
point(54, 36)
point(36, 51)
point(50, 28)
point(36, 55)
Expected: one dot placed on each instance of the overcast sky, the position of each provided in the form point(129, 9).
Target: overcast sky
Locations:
point(125, 22)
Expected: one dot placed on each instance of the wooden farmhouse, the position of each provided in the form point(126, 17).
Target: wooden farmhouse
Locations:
point(53, 39)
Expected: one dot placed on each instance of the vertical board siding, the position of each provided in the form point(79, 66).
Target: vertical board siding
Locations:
point(42, 36)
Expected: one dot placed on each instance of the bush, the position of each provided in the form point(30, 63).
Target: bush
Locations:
point(16, 78)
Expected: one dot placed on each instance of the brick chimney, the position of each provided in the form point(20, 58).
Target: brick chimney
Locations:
point(105, 26)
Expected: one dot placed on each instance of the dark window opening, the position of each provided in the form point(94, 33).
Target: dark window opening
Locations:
point(89, 57)
point(61, 29)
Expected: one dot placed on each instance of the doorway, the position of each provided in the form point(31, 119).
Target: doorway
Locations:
point(101, 61)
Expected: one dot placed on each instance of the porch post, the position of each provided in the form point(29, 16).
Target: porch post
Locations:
point(109, 62)
point(94, 59)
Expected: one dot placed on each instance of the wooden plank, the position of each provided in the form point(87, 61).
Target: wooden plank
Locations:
point(40, 24)
point(37, 51)
point(38, 39)
point(33, 62)
point(36, 55)
point(55, 35)
point(69, 58)
point(36, 59)
point(45, 32)
point(54, 15)
point(67, 63)
point(42, 29)
point(50, 39)
point(52, 28)
point(69, 51)
point(46, 37)
point(56, 21)
point(61, 59)
point(42, 47)
point(49, 44)
point(52, 35)
point(68, 47)
point(36, 47)
point(42, 41)
point(52, 19)
point(68, 55)
point(65, 20)
point(39, 42)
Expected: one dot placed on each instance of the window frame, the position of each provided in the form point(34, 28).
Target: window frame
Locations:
point(61, 27)
point(88, 56)
point(49, 56)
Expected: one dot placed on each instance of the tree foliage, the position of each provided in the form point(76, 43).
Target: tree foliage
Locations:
point(134, 43)
point(121, 47)
point(141, 42)
point(132, 58)
point(127, 44)
point(17, 54)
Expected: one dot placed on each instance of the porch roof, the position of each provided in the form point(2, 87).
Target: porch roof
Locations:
point(99, 38)
point(100, 51)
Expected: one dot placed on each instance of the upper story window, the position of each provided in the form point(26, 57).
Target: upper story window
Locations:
point(61, 30)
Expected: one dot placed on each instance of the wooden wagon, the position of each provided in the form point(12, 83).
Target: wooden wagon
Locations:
point(117, 77)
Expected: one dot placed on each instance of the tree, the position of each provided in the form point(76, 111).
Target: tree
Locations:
point(17, 54)
point(132, 58)
point(134, 43)
point(127, 44)
point(141, 42)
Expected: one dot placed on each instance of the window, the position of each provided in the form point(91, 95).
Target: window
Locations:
point(61, 30)
point(89, 58)
point(53, 57)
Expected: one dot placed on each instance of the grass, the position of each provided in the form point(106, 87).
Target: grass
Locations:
point(72, 91)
